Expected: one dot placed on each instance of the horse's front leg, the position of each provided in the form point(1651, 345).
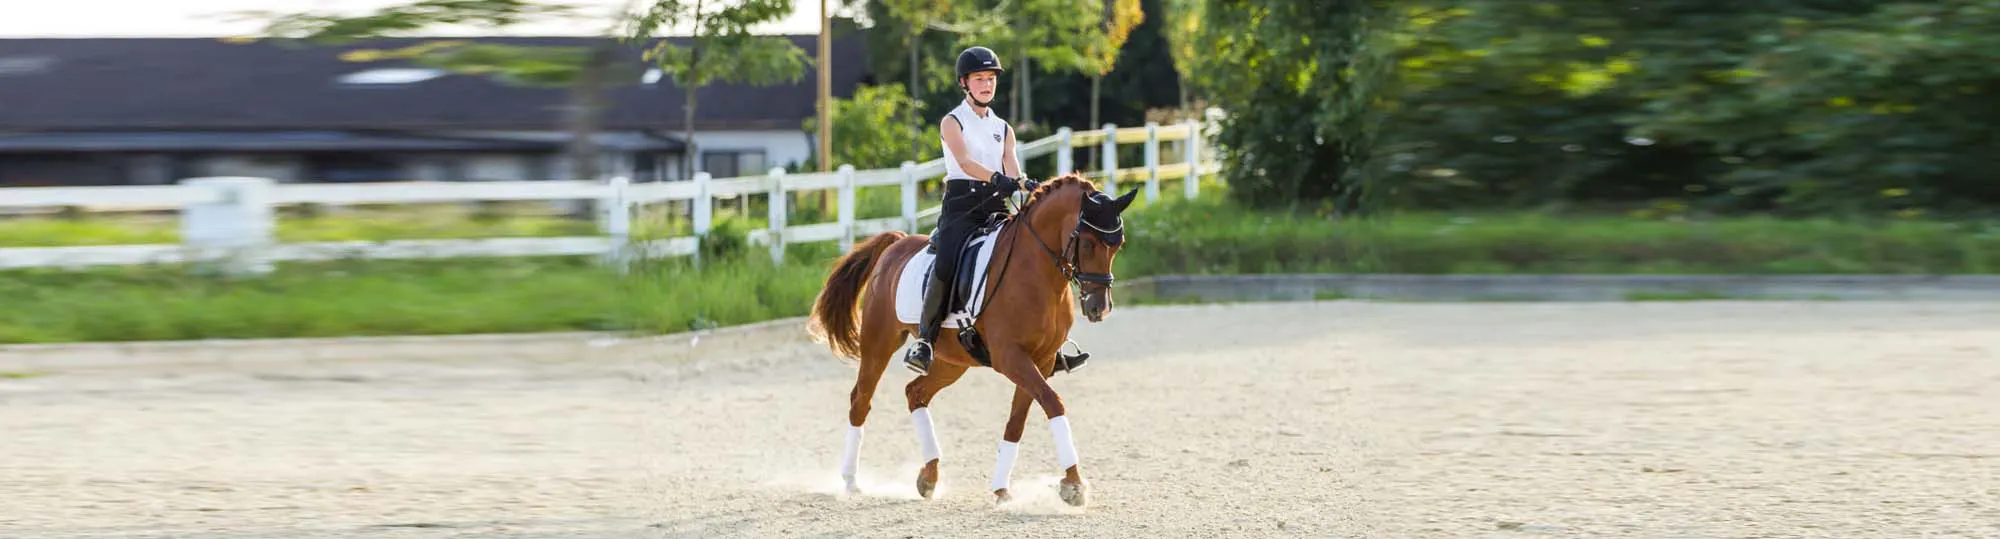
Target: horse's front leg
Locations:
point(1018, 366)
point(919, 392)
point(1010, 445)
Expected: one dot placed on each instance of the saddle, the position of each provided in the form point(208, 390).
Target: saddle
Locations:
point(968, 288)
point(971, 268)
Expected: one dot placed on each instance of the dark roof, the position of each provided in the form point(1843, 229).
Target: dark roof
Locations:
point(262, 141)
point(210, 84)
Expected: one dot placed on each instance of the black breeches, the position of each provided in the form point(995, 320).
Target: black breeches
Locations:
point(967, 204)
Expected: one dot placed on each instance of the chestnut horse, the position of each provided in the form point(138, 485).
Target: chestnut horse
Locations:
point(1072, 232)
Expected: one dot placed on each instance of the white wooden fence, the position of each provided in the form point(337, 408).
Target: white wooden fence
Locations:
point(231, 221)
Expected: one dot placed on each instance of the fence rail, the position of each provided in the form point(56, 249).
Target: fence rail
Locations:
point(230, 221)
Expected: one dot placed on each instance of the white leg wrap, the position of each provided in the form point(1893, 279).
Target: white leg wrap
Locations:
point(1003, 464)
point(926, 434)
point(851, 459)
point(1065, 445)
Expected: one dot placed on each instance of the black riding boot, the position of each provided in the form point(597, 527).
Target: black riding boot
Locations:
point(919, 358)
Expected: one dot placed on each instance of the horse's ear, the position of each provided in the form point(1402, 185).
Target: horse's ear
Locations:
point(1126, 200)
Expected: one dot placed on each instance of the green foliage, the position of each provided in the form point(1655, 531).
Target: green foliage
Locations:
point(525, 65)
point(871, 132)
point(404, 19)
point(1213, 236)
point(1299, 83)
point(720, 47)
point(1805, 107)
point(1184, 24)
point(1103, 46)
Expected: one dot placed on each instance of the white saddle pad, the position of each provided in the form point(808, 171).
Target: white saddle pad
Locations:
point(916, 276)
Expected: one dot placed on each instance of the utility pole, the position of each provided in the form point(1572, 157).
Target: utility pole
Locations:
point(825, 88)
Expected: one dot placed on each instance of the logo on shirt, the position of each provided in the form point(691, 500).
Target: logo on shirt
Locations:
point(996, 137)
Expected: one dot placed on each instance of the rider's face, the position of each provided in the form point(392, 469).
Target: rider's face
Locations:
point(982, 85)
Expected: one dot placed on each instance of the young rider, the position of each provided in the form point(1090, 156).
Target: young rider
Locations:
point(981, 170)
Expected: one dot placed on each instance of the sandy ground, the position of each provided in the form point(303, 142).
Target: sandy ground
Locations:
point(1293, 420)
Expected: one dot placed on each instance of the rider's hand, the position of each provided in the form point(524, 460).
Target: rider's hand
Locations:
point(1005, 184)
point(1028, 184)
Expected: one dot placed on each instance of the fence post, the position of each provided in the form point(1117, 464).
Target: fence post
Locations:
point(231, 233)
point(776, 216)
point(1193, 187)
point(1065, 155)
point(1110, 158)
point(617, 204)
point(1152, 162)
point(704, 210)
point(910, 196)
point(846, 207)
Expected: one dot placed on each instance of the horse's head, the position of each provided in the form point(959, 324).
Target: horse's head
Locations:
point(1101, 232)
point(1095, 232)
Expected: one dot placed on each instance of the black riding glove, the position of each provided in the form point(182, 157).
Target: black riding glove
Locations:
point(1030, 185)
point(1003, 184)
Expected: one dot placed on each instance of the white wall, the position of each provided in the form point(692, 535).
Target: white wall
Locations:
point(781, 147)
point(496, 168)
point(280, 167)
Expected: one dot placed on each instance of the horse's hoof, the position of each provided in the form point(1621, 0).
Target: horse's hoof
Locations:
point(1001, 496)
point(927, 480)
point(1075, 494)
point(852, 488)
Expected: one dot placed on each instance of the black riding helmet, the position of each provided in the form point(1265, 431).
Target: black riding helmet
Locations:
point(978, 59)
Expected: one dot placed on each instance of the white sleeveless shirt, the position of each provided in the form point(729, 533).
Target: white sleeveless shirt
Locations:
point(985, 138)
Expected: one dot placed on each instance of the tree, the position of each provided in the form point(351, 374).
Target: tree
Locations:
point(587, 71)
point(1120, 17)
point(865, 127)
point(1054, 34)
point(1183, 19)
point(1299, 109)
point(916, 17)
point(719, 48)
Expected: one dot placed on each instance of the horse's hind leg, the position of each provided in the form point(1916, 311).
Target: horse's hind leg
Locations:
point(878, 345)
point(920, 391)
point(1018, 367)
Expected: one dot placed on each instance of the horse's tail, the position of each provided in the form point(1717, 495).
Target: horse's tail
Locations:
point(833, 315)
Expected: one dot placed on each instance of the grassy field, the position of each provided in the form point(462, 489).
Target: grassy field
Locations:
point(351, 298)
point(1213, 237)
point(1177, 237)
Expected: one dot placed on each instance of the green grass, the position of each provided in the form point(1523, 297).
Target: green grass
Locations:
point(1208, 236)
point(1213, 237)
point(438, 221)
point(430, 297)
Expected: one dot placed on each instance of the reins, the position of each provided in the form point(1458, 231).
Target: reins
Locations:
point(1071, 274)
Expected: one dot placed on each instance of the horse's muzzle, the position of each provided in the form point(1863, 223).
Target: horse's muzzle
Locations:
point(1097, 304)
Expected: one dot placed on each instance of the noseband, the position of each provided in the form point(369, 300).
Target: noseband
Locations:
point(1067, 262)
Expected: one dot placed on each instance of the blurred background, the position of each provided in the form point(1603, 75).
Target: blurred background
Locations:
point(431, 166)
point(194, 192)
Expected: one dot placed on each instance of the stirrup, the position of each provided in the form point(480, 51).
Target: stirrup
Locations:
point(1070, 363)
point(920, 366)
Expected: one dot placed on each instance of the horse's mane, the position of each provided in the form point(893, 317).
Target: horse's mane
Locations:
point(1051, 186)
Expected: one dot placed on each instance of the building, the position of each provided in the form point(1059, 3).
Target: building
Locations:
point(123, 111)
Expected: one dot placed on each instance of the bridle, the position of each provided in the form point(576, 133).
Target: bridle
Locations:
point(1066, 262)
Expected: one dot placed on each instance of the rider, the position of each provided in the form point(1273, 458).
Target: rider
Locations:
point(981, 170)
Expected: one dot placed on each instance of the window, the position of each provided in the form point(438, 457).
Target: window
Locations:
point(352, 168)
point(730, 164)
